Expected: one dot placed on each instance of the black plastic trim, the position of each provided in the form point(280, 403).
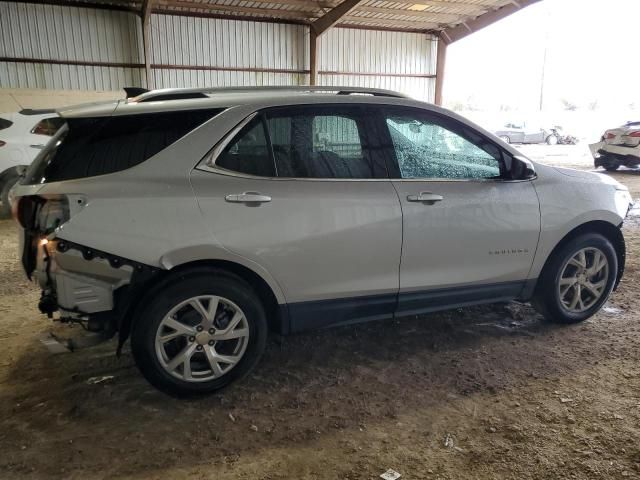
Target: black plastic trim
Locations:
point(325, 313)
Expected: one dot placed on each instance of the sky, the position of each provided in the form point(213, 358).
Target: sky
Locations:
point(592, 60)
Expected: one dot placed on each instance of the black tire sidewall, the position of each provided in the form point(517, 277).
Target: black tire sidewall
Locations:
point(5, 208)
point(165, 298)
point(547, 294)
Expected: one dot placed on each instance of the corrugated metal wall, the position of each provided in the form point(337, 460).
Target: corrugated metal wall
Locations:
point(400, 61)
point(274, 54)
point(105, 50)
point(82, 35)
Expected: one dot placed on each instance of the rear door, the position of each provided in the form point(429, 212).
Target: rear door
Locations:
point(304, 193)
point(469, 235)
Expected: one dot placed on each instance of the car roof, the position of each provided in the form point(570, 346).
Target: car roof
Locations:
point(226, 97)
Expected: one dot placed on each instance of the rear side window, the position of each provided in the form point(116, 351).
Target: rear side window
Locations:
point(4, 123)
point(306, 142)
point(48, 126)
point(87, 147)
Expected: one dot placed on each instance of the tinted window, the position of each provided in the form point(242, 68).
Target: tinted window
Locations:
point(48, 126)
point(86, 147)
point(427, 148)
point(323, 142)
point(4, 123)
point(248, 152)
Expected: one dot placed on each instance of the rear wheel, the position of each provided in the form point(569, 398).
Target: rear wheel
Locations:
point(5, 206)
point(552, 140)
point(505, 139)
point(199, 333)
point(577, 279)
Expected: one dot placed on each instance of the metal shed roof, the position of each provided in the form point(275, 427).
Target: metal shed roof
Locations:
point(402, 15)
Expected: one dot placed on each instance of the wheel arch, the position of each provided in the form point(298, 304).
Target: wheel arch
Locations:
point(610, 231)
point(133, 298)
point(14, 171)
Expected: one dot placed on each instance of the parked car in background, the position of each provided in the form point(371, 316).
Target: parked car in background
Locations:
point(618, 146)
point(521, 132)
point(22, 135)
point(197, 221)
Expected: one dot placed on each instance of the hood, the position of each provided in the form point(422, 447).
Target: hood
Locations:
point(591, 177)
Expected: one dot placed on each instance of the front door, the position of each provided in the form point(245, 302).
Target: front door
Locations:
point(469, 234)
point(304, 193)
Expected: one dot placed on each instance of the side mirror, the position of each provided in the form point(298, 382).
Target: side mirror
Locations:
point(522, 169)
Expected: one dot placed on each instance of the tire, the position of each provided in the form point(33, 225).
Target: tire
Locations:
point(552, 140)
point(612, 167)
point(5, 207)
point(505, 139)
point(198, 375)
point(547, 298)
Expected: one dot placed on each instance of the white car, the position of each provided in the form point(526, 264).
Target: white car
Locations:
point(22, 135)
point(198, 221)
point(618, 146)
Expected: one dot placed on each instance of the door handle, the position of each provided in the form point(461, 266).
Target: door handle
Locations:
point(39, 146)
point(247, 197)
point(425, 197)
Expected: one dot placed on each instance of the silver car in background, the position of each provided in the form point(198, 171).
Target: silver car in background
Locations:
point(195, 222)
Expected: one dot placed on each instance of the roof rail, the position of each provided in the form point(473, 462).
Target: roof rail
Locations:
point(182, 93)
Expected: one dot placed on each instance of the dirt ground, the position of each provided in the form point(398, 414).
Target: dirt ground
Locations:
point(477, 393)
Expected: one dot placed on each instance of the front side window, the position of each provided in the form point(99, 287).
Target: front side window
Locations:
point(306, 142)
point(429, 148)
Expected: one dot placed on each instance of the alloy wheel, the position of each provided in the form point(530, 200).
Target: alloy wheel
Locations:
point(583, 280)
point(202, 338)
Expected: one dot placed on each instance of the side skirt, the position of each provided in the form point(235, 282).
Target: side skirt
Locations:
point(341, 311)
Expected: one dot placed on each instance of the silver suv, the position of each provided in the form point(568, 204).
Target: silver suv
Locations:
point(198, 221)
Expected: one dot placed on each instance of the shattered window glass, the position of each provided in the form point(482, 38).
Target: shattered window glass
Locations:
point(427, 150)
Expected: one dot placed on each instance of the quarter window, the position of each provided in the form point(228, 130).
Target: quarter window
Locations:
point(425, 148)
point(86, 147)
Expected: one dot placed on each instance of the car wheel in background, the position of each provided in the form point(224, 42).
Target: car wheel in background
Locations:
point(577, 279)
point(552, 140)
point(5, 205)
point(199, 332)
point(505, 139)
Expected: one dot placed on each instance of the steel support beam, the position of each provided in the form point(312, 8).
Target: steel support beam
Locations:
point(333, 16)
point(454, 34)
point(313, 58)
point(321, 25)
point(145, 14)
point(440, 65)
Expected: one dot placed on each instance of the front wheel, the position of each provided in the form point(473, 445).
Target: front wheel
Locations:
point(577, 279)
point(552, 140)
point(505, 139)
point(199, 333)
